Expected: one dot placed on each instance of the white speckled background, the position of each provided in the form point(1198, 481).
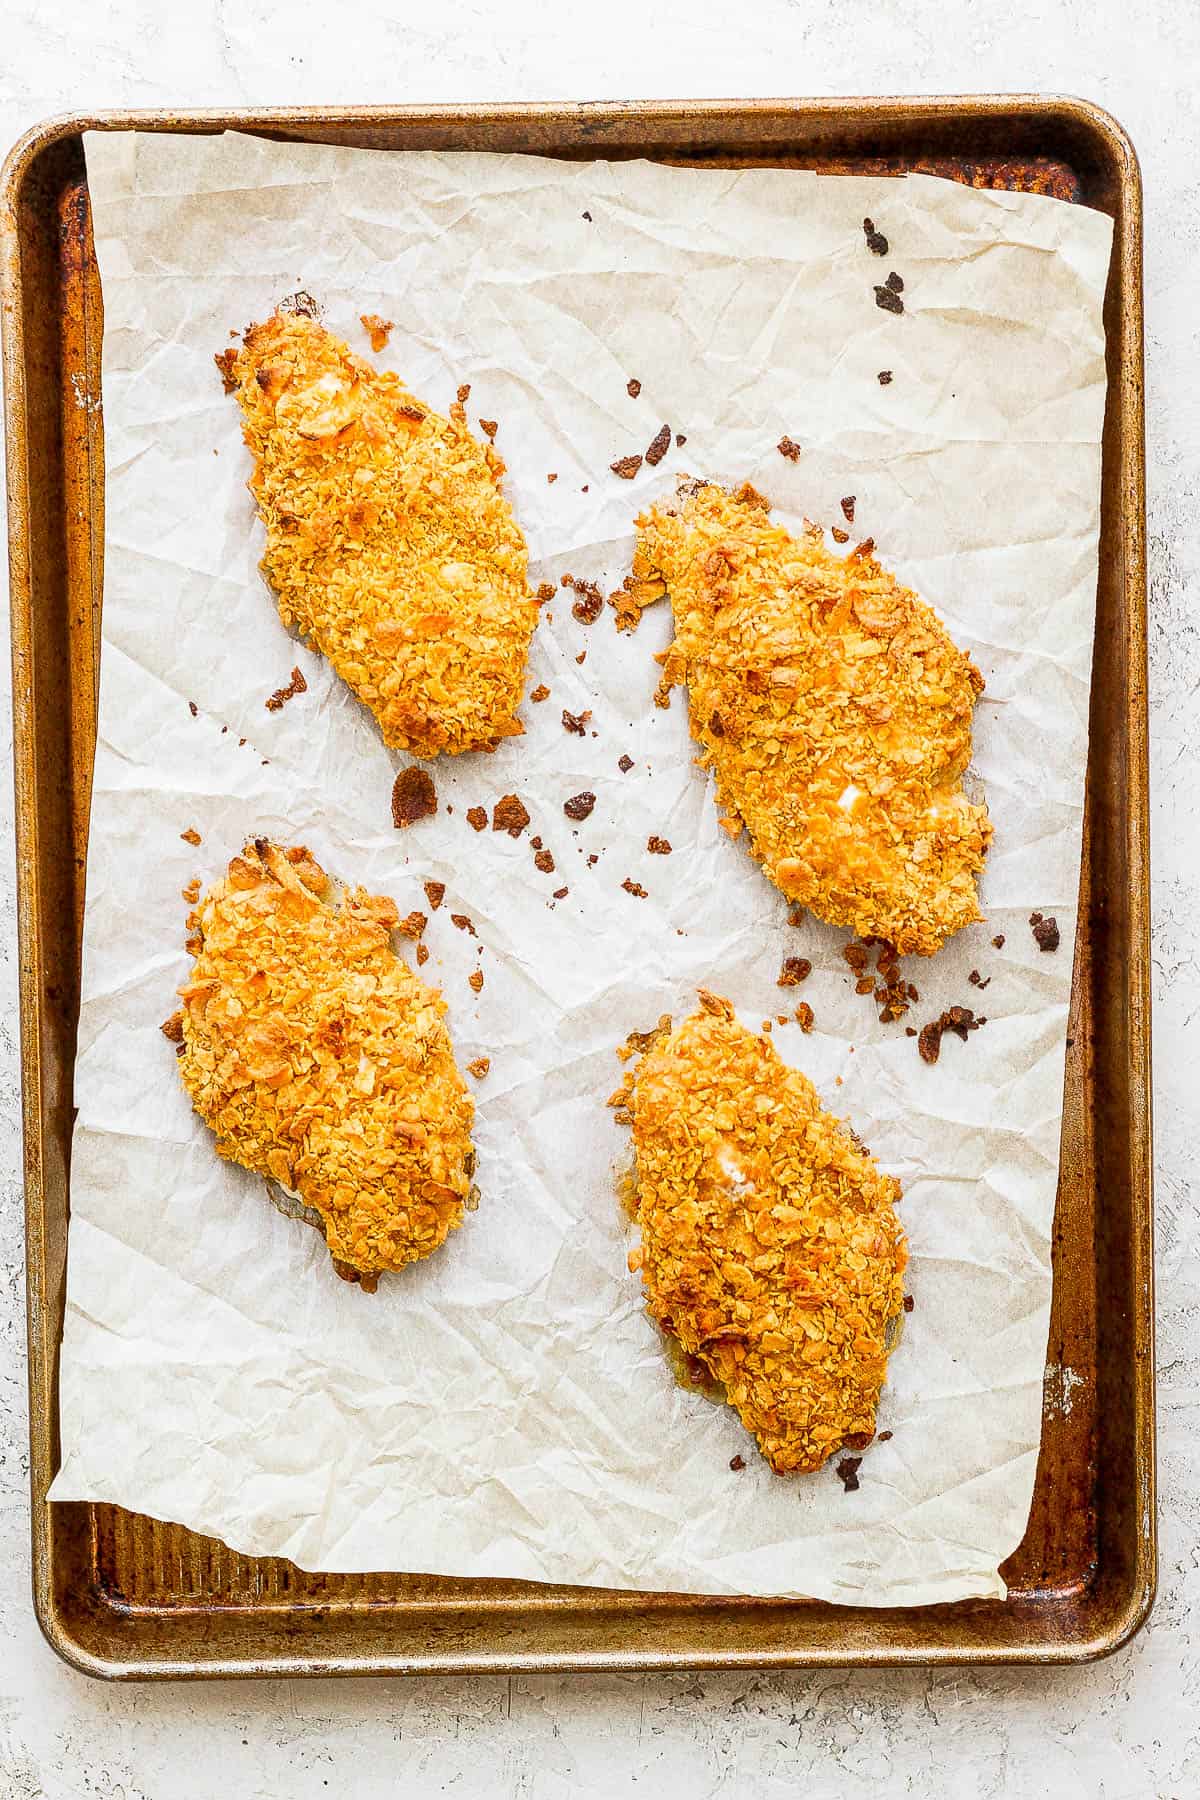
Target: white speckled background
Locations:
point(1125, 1729)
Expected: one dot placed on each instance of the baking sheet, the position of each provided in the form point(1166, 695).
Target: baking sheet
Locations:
point(505, 1410)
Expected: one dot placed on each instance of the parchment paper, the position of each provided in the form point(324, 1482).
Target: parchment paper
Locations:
point(505, 1409)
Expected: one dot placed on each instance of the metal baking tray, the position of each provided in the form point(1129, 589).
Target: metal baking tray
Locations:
point(125, 1596)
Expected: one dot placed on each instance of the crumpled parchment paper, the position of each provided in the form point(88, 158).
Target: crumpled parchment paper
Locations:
point(505, 1409)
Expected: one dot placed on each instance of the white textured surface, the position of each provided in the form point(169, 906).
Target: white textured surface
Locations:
point(1127, 1728)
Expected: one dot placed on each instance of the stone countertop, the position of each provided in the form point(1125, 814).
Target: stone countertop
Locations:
point(1124, 1729)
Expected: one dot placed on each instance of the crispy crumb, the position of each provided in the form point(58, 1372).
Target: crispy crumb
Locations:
point(475, 979)
point(847, 1472)
point(281, 696)
point(463, 923)
point(544, 861)
point(579, 806)
point(625, 763)
point(464, 393)
point(1045, 931)
point(191, 836)
point(540, 693)
point(626, 467)
point(680, 440)
point(489, 428)
point(847, 505)
point(561, 893)
point(551, 478)
point(479, 1067)
point(959, 1020)
point(435, 893)
point(788, 448)
point(635, 888)
point(590, 604)
point(193, 709)
point(658, 846)
point(795, 970)
point(885, 377)
point(413, 797)
point(510, 814)
point(838, 535)
point(737, 1463)
point(633, 387)
point(377, 329)
point(804, 1017)
point(172, 1028)
point(576, 722)
point(191, 893)
point(998, 942)
point(413, 925)
point(477, 818)
point(876, 242)
point(658, 446)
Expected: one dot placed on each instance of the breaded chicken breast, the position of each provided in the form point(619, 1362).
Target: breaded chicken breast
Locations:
point(389, 544)
point(770, 1244)
point(322, 1062)
point(833, 709)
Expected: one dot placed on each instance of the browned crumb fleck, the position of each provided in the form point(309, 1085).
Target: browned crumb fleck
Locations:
point(225, 361)
point(787, 447)
point(541, 692)
point(435, 893)
point(464, 393)
point(795, 970)
point(422, 955)
point(889, 300)
point(551, 478)
point(633, 387)
point(475, 979)
point(635, 888)
point(413, 797)
point(976, 980)
point(865, 984)
point(737, 1463)
point(546, 590)
point(477, 818)
point(191, 836)
point(1045, 931)
point(579, 806)
point(624, 763)
point(680, 440)
point(587, 216)
point(561, 893)
point(510, 814)
point(910, 1031)
point(592, 860)
point(958, 1019)
point(463, 922)
point(575, 722)
point(590, 604)
point(193, 709)
point(998, 942)
point(544, 860)
point(281, 696)
point(191, 893)
point(839, 536)
point(626, 467)
point(804, 1016)
point(848, 507)
point(883, 1437)
point(909, 1302)
point(847, 1471)
point(479, 1067)
point(768, 1025)
point(535, 843)
point(489, 428)
point(172, 1028)
point(413, 925)
point(582, 657)
point(885, 377)
point(857, 956)
point(895, 282)
point(876, 242)
point(658, 446)
point(658, 846)
point(377, 329)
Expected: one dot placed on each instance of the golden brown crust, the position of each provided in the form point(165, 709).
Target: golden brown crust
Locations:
point(834, 710)
point(389, 543)
point(322, 1062)
point(770, 1243)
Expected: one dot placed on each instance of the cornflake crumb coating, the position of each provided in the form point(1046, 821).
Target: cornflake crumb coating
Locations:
point(389, 544)
point(834, 711)
point(322, 1062)
point(770, 1243)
